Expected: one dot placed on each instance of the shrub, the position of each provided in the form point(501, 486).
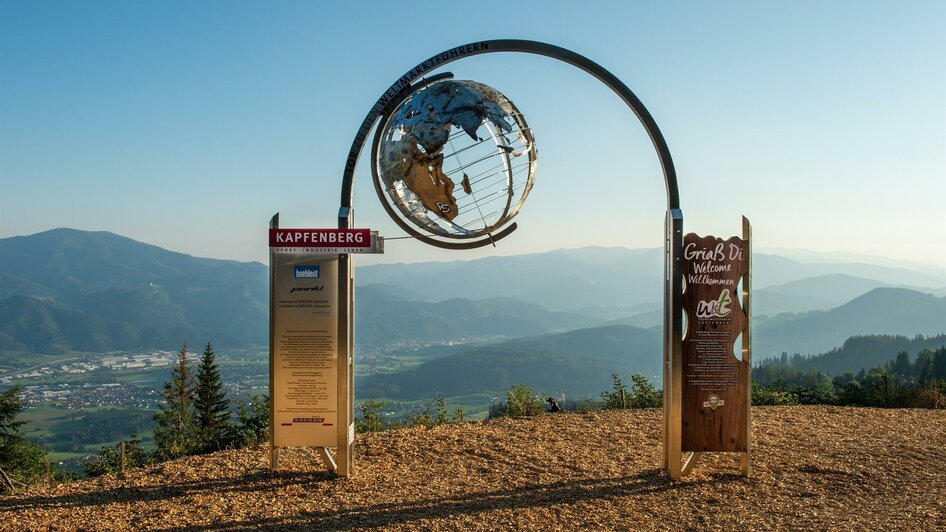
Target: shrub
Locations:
point(252, 426)
point(370, 419)
point(109, 459)
point(641, 395)
point(522, 402)
point(644, 395)
point(618, 397)
point(771, 397)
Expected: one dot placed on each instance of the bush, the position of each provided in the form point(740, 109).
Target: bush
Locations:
point(521, 402)
point(252, 426)
point(618, 397)
point(109, 459)
point(767, 396)
point(933, 395)
point(428, 418)
point(641, 395)
point(370, 419)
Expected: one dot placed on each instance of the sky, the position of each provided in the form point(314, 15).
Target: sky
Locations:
point(189, 124)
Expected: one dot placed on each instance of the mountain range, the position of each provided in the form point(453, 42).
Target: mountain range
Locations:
point(66, 289)
point(93, 291)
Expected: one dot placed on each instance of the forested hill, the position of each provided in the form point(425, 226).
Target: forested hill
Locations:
point(66, 289)
point(577, 362)
point(893, 311)
point(865, 352)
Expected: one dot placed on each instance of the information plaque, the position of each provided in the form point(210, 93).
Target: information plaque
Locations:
point(305, 349)
point(715, 382)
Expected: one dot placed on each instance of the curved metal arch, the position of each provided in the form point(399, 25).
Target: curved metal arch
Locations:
point(506, 45)
point(673, 243)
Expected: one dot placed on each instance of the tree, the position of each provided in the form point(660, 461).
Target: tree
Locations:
point(442, 416)
point(901, 366)
point(939, 364)
point(926, 373)
point(252, 426)
point(618, 397)
point(213, 409)
point(176, 432)
point(20, 459)
point(641, 395)
point(644, 395)
point(520, 401)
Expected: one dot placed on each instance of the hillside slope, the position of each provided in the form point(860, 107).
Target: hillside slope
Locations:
point(556, 472)
point(575, 363)
point(880, 311)
point(128, 294)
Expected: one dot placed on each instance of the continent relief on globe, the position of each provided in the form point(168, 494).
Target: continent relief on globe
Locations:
point(423, 175)
point(434, 188)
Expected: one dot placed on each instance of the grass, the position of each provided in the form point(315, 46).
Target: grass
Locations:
point(46, 422)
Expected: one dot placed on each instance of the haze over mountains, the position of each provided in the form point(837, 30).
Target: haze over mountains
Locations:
point(94, 291)
point(89, 291)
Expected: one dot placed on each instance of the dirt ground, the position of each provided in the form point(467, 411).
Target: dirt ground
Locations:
point(821, 468)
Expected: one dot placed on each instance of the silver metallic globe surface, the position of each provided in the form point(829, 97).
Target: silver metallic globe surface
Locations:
point(457, 159)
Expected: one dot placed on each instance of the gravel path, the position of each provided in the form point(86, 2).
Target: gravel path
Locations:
point(814, 468)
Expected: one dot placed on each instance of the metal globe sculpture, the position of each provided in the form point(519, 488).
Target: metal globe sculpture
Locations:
point(456, 159)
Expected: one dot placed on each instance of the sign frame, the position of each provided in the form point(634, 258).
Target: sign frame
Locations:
point(675, 382)
point(333, 247)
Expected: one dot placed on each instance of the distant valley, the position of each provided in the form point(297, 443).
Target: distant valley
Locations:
point(67, 290)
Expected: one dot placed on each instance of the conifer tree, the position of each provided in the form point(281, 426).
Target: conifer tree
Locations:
point(176, 431)
point(213, 409)
point(939, 364)
point(22, 460)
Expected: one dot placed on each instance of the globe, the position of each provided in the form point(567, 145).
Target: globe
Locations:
point(456, 159)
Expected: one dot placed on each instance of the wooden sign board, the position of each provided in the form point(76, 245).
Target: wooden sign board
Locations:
point(715, 387)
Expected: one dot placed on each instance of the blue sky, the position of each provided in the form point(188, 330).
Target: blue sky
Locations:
point(188, 124)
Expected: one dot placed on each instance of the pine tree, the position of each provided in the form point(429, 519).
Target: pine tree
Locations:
point(21, 460)
point(901, 366)
point(939, 364)
point(619, 397)
point(176, 431)
point(213, 409)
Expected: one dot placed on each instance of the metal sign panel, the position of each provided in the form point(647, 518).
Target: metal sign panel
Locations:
point(325, 241)
point(304, 349)
point(715, 382)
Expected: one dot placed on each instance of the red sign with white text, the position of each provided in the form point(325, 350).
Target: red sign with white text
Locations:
point(323, 241)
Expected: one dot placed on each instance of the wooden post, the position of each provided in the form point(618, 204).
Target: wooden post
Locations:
point(122, 466)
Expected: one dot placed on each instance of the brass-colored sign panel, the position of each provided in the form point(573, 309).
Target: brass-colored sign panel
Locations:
point(304, 362)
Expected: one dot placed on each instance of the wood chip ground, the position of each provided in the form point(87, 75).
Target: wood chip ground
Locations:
point(818, 468)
